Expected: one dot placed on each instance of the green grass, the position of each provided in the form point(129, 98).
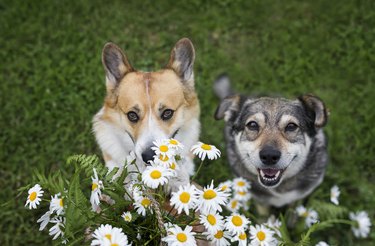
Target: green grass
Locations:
point(52, 81)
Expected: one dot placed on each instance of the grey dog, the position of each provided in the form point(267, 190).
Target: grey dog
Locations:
point(276, 143)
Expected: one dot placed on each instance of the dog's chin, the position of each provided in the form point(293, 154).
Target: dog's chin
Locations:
point(270, 177)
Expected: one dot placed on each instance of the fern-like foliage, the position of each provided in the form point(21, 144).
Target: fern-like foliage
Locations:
point(328, 211)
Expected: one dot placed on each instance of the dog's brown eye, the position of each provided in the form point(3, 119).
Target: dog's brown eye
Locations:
point(132, 116)
point(252, 126)
point(291, 127)
point(167, 114)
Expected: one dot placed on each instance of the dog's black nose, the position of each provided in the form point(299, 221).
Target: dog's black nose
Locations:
point(148, 155)
point(269, 155)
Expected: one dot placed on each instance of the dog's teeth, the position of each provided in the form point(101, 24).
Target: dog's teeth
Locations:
point(262, 173)
point(277, 174)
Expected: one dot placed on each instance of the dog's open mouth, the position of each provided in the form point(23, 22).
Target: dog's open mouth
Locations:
point(269, 176)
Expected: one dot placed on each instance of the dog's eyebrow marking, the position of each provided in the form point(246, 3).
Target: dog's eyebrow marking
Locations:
point(135, 108)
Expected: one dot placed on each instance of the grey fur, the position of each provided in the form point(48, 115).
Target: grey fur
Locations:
point(237, 109)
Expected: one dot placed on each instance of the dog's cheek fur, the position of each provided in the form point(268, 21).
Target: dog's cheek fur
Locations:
point(299, 152)
point(249, 152)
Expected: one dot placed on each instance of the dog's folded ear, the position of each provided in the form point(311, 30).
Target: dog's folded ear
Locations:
point(182, 60)
point(315, 109)
point(228, 108)
point(115, 63)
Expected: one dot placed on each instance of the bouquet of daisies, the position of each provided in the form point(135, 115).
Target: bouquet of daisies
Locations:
point(97, 206)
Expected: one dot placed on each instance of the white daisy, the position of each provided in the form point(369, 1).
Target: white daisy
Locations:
point(310, 215)
point(142, 204)
point(56, 229)
point(335, 193)
point(117, 238)
point(131, 158)
point(176, 236)
point(175, 144)
point(213, 222)
point(262, 236)
point(274, 224)
point(211, 199)
point(362, 229)
point(322, 243)
point(241, 238)
point(242, 196)
point(108, 235)
point(164, 160)
point(135, 189)
point(34, 197)
point(233, 205)
point(127, 216)
point(57, 204)
point(174, 166)
point(96, 193)
point(236, 223)
point(185, 198)
point(104, 231)
point(202, 150)
point(44, 220)
point(154, 175)
point(218, 238)
point(240, 184)
point(226, 186)
point(163, 148)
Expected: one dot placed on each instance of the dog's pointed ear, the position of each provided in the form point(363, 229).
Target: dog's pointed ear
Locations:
point(315, 109)
point(182, 60)
point(222, 86)
point(115, 63)
point(228, 108)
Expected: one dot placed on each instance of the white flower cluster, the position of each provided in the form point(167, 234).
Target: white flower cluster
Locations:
point(220, 230)
point(54, 215)
point(208, 203)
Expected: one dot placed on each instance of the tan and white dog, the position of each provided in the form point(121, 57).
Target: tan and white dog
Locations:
point(141, 107)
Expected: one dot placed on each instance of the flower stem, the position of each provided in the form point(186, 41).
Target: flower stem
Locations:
point(196, 173)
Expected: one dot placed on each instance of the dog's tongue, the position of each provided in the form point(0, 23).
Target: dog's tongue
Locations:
point(270, 172)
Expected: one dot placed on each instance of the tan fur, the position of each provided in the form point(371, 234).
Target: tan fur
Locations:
point(149, 93)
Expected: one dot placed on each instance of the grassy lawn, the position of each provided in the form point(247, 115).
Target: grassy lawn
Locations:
point(52, 81)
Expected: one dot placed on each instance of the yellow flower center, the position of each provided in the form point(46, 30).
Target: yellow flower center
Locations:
point(234, 204)
point(145, 202)
point(109, 236)
point(224, 187)
point(241, 193)
point(165, 158)
point(219, 234)
point(242, 236)
point(185, 197)
point(181, 237)
point(33, 196)
point(237, 220)
point(241, 183)
point(61, 203)
point(211, 219)
point(206, 147)
point(114, 244)
point(305, 214)
point(209, 194)
point(94, 186)
point(163, 148)
point(173, 166)
point(261, 236)
point(174, 142)
point(156, 174)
